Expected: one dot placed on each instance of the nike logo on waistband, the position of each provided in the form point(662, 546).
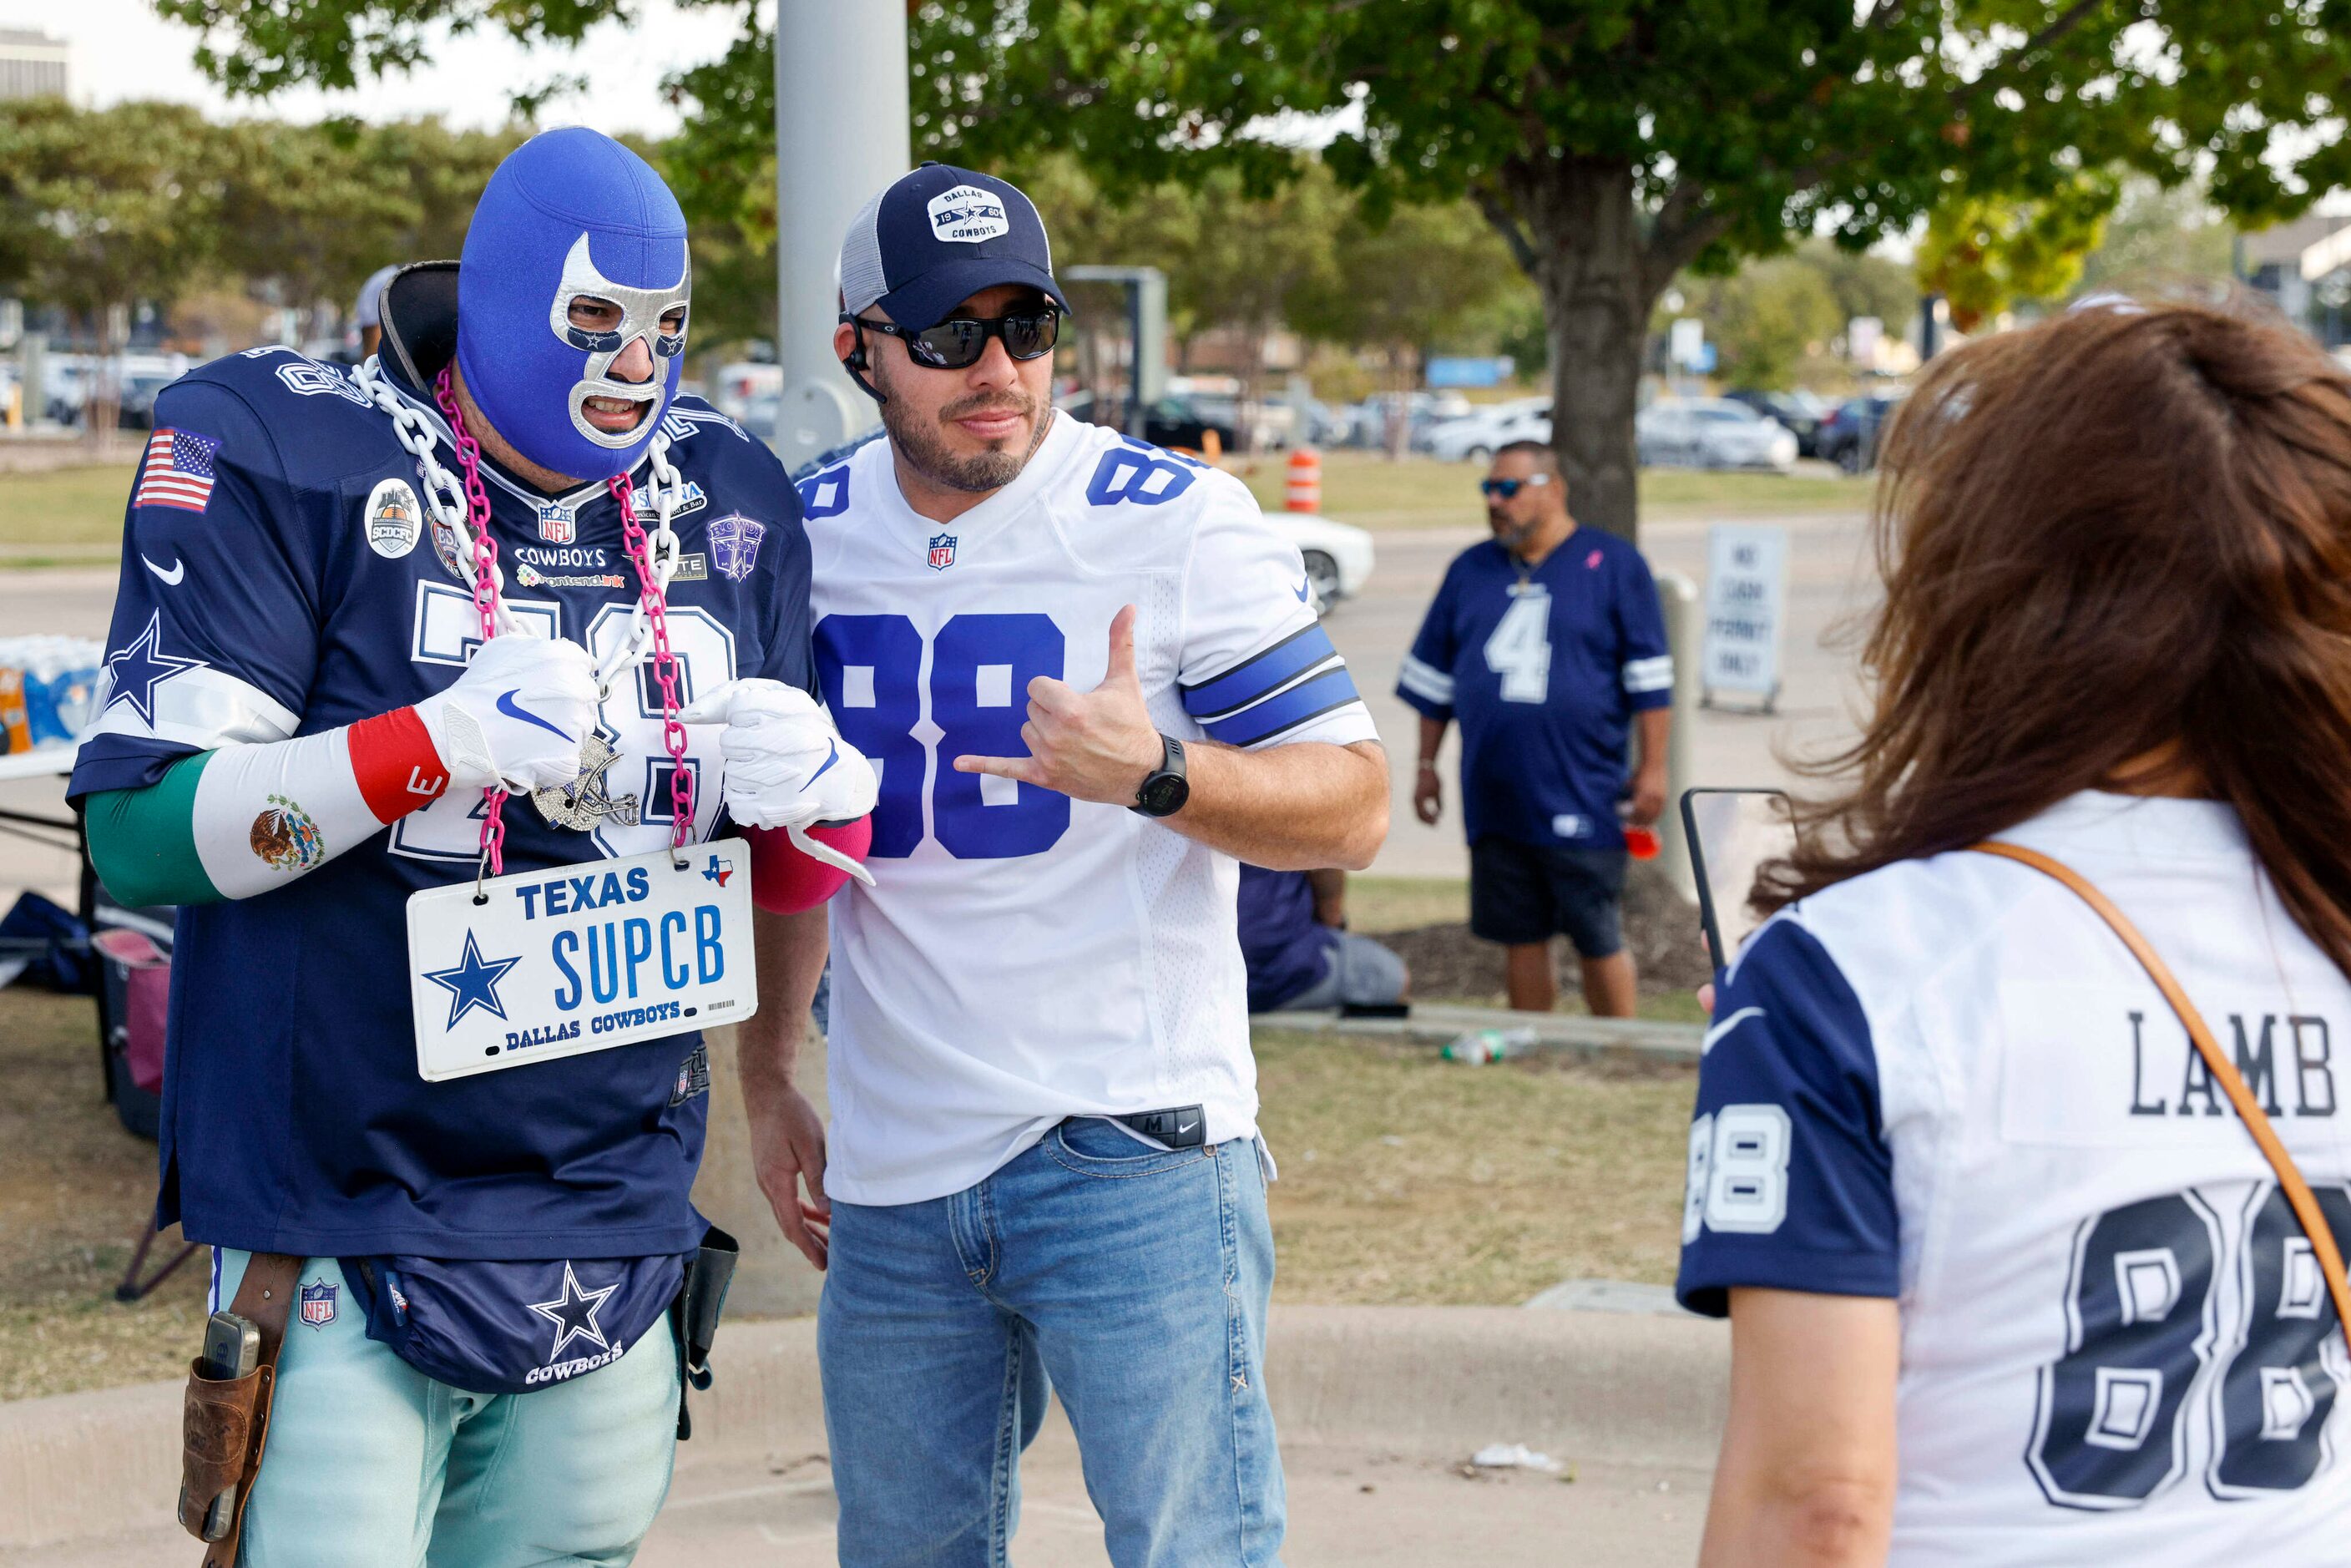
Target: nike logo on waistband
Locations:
point(179, 570)
point(506, 706)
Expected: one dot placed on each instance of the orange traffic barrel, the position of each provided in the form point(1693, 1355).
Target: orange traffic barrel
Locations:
point(1304, 492)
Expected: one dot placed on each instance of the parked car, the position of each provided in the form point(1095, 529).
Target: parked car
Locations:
point(136, 410)
point(1849, 437)
point(1173, 421)
point(1800, 411)
point(1338, 556)
point(1710, 433)
point(1478, 435)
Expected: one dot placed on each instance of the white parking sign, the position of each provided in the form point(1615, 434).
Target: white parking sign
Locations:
point(1746, 599)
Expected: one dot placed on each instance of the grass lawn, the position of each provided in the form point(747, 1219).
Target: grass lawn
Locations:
point(74, 515)
point(1409, 1180)
point(75, 1191)
point(1372, 492)
point(65, 517)
point(1404, 1179)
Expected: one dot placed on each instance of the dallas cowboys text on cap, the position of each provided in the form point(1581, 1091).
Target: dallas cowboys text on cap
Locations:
point(934, 237)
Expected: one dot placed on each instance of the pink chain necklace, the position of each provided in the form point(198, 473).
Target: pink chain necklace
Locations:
point(486, 603)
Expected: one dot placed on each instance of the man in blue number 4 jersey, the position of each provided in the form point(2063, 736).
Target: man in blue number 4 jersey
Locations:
point(471, 1251)
point(1547, 642)
point(1088, 678)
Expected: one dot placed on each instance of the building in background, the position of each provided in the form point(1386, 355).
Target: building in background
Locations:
point(32, 65)
point(2305, 266)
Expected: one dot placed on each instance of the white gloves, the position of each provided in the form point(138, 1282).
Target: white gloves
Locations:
point(786, 767)
point(517, 716)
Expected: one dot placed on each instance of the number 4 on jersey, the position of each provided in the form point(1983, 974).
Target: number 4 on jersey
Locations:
point(1519, 648)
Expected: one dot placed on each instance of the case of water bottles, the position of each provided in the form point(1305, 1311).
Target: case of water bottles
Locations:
point(47, 689)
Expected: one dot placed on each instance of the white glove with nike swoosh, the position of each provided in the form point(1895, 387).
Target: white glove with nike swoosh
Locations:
point(517, 716)
point(786, 767)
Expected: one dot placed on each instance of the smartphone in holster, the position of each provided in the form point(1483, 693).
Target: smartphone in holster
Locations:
point(1731, 833)
point(231, 1350)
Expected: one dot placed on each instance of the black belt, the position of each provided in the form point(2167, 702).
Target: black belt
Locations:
point(1178, 1127)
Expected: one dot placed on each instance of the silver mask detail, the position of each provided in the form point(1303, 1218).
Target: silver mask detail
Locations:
point(641, 313)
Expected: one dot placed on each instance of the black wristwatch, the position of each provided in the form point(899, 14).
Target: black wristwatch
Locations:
point(1165, 789)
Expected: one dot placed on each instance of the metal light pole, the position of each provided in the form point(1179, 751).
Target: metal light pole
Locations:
point(841, 136)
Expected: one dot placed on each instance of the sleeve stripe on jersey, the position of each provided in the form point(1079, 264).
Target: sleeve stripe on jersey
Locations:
point(1649, 674)
point(204, 707)
point(1279, 715)
point(1424, 680)
point(1259, 675)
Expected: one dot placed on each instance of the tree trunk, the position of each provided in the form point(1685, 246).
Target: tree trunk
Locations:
point(1591, 266)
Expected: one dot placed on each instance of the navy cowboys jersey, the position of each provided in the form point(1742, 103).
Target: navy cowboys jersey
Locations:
point(1544, 670)
point(1946, 1081)
point(310, 589)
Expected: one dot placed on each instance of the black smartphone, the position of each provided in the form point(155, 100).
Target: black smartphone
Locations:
point(231, 1350)
point(1730, 833)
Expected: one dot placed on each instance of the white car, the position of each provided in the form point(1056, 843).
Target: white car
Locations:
point(1711, 433)
point(1338, 554)
point(1475, 437)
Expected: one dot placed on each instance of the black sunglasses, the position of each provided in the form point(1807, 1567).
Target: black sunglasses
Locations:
point(1507, 488)
point(957, 343)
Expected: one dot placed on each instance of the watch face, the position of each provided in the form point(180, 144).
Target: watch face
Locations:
point(1163, 793)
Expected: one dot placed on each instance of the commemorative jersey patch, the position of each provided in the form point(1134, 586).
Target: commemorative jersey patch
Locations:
point(734, 545)
point(394, 519)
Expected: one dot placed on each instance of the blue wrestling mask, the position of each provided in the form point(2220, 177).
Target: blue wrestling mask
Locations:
point(576, 252)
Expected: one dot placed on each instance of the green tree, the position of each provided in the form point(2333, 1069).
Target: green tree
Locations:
point(1611, 143)
point(1766, 320)
point(103, 208)
point(1985, 253)
point(2159, 237)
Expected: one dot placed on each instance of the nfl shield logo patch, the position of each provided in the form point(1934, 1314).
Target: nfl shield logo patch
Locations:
point(318, 1304)
point(942, 552)
point(557, 524)
point(734, 545)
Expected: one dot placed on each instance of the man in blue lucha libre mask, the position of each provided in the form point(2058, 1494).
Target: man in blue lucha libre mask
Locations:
point(571, 304)
point(473, 1286)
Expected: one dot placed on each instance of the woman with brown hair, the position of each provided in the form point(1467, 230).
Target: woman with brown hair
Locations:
point(2009, 1281)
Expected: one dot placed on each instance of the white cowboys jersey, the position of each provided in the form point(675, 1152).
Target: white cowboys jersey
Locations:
point(1948, 1082)
point(1023, 957)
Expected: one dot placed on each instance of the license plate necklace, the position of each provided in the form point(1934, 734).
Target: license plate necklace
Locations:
point(547, 964)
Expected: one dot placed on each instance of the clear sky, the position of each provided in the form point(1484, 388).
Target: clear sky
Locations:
point(121, 49)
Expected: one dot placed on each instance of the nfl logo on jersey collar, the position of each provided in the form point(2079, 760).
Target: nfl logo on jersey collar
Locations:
point(558, 522)
point(942, 552)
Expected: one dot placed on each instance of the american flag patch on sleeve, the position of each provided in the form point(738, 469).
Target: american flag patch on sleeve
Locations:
point(179, 471)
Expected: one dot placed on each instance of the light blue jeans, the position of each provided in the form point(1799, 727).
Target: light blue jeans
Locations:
point(1135, 1280)
point(371, 1464)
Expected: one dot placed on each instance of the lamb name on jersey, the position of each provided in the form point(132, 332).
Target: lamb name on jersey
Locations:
point(1948, 1082)
point(310, 589)
point(957, 1038)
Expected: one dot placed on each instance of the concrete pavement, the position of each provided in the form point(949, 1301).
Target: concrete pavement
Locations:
point(1377, 1405)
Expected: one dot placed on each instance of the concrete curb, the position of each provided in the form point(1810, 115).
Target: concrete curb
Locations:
point(1564, 1034)
point(1430, 1381)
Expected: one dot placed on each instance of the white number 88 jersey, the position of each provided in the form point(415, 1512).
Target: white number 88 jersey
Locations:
point(1024, 957)
point(1946, 1081)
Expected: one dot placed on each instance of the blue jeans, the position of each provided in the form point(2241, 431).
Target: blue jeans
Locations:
point(1134, 1279)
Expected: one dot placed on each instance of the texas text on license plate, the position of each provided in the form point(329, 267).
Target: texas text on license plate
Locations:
point(580, 957)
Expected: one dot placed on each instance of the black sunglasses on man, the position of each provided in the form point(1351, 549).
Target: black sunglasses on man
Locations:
point(957, 342)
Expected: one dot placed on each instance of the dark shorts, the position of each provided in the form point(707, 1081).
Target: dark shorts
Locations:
point(1529, 892)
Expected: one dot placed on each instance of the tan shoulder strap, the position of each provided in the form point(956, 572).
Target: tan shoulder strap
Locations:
point(2224, 1071)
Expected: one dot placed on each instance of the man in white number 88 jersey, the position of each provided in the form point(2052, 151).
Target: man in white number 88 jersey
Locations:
point(1089, 675)
point(2010, 1282)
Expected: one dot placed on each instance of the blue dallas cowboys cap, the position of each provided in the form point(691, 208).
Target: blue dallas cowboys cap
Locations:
point(934, 237)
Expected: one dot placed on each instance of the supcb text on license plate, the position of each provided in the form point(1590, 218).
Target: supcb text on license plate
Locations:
point(580, 957)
